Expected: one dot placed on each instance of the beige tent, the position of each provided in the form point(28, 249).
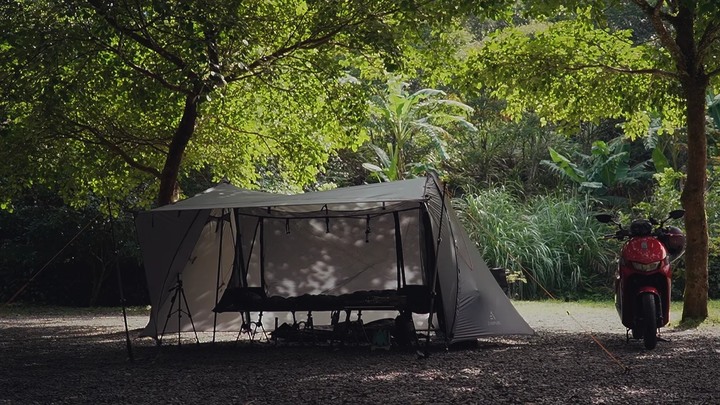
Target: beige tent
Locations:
point(386, 237)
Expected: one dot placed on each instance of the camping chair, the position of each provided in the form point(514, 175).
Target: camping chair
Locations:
point(349, 331)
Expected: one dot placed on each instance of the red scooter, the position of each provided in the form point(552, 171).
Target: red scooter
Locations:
point(643, 279)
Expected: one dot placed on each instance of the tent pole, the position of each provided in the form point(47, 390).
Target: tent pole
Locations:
point(399, 252)
point(239, 266)
point(252, 248)
point(128, 343)
point(262, 253)
point(433, 293)
point(239, 269)
point(221, 227)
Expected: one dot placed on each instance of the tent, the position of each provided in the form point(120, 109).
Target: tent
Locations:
point(392, 236)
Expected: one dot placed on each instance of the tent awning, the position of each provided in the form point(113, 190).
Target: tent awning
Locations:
point(228, 196)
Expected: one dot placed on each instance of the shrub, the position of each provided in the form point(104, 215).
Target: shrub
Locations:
point(553, 240)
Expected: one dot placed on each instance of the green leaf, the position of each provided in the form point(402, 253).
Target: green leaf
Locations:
point(592, 184)
point(566, 166)
point(659, 160)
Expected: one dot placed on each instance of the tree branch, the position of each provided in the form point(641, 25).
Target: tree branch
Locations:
point(147, 41)
point(711, 34)
point(656, 72)
point(145, 72)
point(115, 148)
point(262, 137)
point(656, 9)
point(656, 18)
point(282, 52)
point(243, 131)
point(308, 43)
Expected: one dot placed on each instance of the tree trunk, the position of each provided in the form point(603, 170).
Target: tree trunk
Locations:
point(694, 84)
point(169, 187)
point(693, 200)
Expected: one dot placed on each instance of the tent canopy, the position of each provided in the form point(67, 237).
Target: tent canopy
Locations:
point(375, 237)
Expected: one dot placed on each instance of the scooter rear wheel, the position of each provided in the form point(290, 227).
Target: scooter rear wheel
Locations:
point(649, 324)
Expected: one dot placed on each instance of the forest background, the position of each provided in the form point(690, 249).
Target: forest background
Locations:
point(536, 117)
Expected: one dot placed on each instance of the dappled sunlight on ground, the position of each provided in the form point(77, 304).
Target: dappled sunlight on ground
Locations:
point(562, 363)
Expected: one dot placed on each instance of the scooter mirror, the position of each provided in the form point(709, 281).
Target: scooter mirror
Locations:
point(604, 218)
point(676, 214)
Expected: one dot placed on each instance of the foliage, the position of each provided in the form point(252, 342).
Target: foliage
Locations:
point(286, 133)
point(126, 98)
point(713, 106)
point(606, 173)
point(502, 152)
point(666, 195)
point(577, 68)
point(414, 127)
point(52, 254)
point(553, 240)
point(712, 127)
point(665, 198)
point(572, 56)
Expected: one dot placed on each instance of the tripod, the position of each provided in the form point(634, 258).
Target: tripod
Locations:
point(251, 328)
point(179, 296)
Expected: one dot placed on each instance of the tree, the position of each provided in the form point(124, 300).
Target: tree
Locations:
point(583, 69)
point(128, 97)
point(416, 121)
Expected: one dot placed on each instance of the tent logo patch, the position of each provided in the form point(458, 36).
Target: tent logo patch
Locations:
point(492, 320)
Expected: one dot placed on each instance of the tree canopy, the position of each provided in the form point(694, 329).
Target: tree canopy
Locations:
point(578, 67)
point(127, 98)
point(134, 99)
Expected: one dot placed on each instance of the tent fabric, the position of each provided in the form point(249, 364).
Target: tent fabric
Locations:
point(372, 237)
point(225, 195)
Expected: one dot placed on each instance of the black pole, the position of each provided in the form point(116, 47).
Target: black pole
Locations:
point(399, 252)
point(128, 342)
point(262, 253)
point(221, 228)
point(435, 275)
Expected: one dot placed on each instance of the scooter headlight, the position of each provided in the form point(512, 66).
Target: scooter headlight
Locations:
point(646, 266)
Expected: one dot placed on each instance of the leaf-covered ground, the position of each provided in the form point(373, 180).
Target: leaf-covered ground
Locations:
point(71, 358)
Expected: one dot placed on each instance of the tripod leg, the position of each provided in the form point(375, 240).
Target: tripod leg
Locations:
point(179, 312)
point(264, 332)
point(170, 312)
point(189, 316)
point(242, 327)
point(258, 325)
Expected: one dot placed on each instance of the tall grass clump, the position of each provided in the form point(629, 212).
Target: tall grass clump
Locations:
point(552, 240)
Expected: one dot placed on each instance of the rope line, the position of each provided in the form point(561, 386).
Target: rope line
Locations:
point(49, 261)
point(612, 356)
point(592, 336)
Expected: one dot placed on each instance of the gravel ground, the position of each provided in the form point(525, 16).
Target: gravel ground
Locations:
point(579, 355)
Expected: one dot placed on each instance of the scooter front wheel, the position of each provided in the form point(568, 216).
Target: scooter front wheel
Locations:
point(649, 320)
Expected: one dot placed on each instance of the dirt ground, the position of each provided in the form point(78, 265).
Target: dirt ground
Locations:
point(579, 355)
